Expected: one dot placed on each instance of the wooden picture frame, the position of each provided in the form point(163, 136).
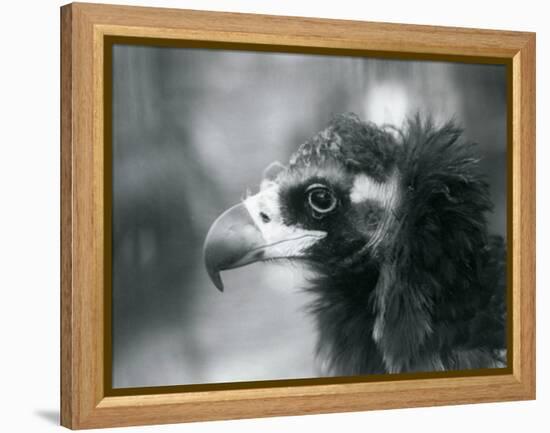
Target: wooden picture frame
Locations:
point(86, 398)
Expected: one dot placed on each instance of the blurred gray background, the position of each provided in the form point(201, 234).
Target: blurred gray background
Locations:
point(192, 130)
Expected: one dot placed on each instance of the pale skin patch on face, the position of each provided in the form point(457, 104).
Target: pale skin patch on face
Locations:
point(366, 188)
point(280, 240)
point(386, 194)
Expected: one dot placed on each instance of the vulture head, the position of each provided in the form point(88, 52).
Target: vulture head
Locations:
point(393, 224)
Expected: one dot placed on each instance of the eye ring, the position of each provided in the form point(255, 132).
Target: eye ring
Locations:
point(321, 200)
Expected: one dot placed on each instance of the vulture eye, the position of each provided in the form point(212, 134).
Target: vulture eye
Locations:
point(321, 200)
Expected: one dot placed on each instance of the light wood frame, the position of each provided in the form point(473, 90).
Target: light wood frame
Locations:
point(84, 200)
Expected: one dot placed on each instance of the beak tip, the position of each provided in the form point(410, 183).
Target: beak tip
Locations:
point(217, 280)
point(215, 277)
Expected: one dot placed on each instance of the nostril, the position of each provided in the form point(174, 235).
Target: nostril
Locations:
point(265, 218)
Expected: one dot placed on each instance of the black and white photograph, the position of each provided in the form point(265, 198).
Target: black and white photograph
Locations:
point(275, 216)
point(283, 216)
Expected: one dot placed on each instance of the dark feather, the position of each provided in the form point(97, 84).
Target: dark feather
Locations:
point(431, 296)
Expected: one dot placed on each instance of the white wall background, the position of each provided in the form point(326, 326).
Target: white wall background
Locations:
point(29, 220)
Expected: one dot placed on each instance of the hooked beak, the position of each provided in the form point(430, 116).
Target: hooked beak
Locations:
point(240, 236)
point(232, 241)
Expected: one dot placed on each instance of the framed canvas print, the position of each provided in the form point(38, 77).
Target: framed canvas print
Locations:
point(270, 216)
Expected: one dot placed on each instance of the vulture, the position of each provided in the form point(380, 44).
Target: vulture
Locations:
point(392, 222)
